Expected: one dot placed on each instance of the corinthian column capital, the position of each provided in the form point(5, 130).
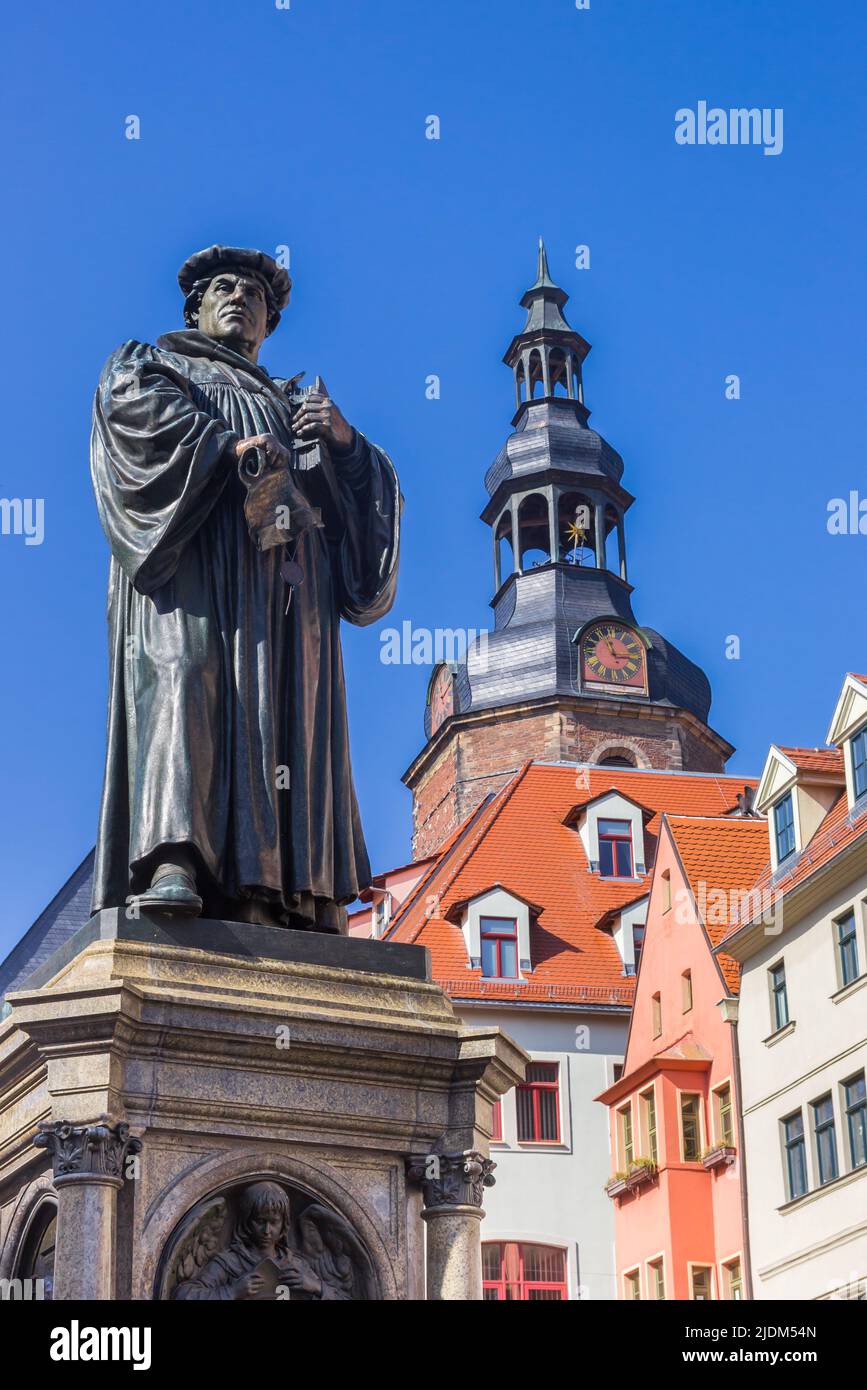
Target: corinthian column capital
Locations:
point(88, 1153)
point(452, 1180)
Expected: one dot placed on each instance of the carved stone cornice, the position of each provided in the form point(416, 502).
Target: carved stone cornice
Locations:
point(88, 1153)
point(451, 1180)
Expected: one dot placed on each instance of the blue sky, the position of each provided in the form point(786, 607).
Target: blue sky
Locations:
point(306, 127)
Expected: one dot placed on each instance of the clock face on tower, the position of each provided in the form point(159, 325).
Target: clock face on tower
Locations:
point(613, 657)
point(442, 698)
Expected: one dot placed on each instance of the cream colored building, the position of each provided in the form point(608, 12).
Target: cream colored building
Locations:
point(802, 1026)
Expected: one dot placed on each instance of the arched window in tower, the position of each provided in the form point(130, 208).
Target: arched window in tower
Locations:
point(558, 367)
point(533, 539)
point(505, 550)
point(537, 377)
point(575, 530)
point(612, 555)
point(520, 382)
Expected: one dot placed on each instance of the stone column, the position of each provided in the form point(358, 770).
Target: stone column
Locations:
point(453, 1187)
point(89, 1169)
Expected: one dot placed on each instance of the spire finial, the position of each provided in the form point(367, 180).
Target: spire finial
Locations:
point(543, 273)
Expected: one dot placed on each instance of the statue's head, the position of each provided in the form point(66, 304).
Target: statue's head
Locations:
point(263, 1215)
point(234, 295)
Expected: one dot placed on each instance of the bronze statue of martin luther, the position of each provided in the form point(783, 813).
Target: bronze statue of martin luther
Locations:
point(228, 788)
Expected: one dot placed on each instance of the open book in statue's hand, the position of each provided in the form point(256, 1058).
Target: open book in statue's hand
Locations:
point(275, 509)
point(270, 1279)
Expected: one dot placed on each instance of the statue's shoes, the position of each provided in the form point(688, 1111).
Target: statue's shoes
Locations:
point(173, 893)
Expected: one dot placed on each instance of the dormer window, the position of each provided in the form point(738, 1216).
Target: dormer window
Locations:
point(499, 945)
point(784, 828)
point(859, 763)
point(615, 849)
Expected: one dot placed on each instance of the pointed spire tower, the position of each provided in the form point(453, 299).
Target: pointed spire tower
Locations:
point(547, 355)
point(566, 674)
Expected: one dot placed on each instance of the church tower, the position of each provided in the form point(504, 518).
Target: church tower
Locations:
point(566, 674)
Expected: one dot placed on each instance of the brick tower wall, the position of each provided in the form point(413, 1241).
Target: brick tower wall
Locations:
point(479, 757)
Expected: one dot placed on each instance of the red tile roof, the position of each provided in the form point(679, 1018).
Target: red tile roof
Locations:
point(722, 860)
point(816, 759)
point(519, 838)
point(838, 830)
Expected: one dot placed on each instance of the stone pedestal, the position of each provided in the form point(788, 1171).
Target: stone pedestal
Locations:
point(258, 1070)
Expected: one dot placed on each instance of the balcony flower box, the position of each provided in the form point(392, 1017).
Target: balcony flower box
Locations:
point(641, 1171)
point(616, 1184)
point(718, 1157)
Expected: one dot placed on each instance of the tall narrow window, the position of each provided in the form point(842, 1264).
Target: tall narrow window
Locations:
point(686, 990)
point(779, 996)
point(648, 1105)
point(666, 891)
point(637, 945)
point(538, 1103)
point(859, 762)
point(632, 1286)
point(656, 1014)
point(784, 828)
point(497, 1122)
point(847, 948)
point(725, 1127)
point(499, 938)
point(615, 849)
point(855, 1101)
point(796, 1155)
point(734, 1284)
point(627, 1143)
point(702, 1283)
point(656, 1281)
point(825, 1134)
point(690, 1128)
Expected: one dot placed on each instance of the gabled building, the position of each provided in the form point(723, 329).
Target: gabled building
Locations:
point(803, 1018)
point(677, 1163)
point(534, 913)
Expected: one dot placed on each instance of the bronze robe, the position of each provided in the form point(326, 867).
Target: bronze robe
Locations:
point(217, 694)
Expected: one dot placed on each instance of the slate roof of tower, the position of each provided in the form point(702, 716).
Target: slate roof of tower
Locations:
point(518, 838)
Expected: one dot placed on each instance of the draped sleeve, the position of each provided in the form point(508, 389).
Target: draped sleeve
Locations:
point(367, 549)
point(158, 462)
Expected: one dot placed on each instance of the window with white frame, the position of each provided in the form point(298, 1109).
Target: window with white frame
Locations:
point(779, 995)
point(846, 936)
point(858, 748)
point(825, 1138)
point(795, 1153)
point(733, 1283)
point(690, 1127)
point(855, 1107)
point(784, 828)
point(656, 1280)
point(723, 1119)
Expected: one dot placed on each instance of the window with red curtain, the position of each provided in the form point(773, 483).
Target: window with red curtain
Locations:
point(523, 1273)
point(538, 1104)
point(497, 1121)
point(615, 849)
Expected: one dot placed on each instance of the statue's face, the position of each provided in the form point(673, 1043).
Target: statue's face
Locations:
point(266, 1227)
point(234, 311)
